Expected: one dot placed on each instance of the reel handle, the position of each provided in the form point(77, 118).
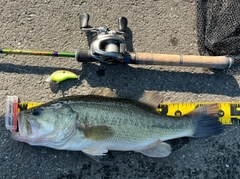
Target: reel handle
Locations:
point(84, 18)
point(122, 24)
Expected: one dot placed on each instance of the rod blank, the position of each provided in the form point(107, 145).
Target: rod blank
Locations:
point(41, 53)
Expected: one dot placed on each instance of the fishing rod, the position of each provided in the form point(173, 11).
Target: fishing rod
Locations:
point(109, 46)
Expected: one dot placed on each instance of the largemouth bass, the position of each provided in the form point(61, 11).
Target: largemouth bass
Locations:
point(95, 124)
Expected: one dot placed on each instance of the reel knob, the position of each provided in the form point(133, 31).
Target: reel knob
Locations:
point(84, 18)
point(122, 24)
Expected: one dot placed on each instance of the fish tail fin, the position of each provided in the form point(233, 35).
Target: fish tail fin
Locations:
point(206, 121)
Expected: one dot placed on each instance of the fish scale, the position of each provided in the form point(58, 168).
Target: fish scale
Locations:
point(129, 127)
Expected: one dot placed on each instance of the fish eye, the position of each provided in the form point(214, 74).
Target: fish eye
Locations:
point(36, 112)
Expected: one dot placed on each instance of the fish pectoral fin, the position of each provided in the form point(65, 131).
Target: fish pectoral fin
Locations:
point(97, 132)
point(95, 153)
point(157, 149)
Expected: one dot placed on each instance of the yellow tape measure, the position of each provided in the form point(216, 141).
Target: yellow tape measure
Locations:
point(27, 105)
point(229, 112)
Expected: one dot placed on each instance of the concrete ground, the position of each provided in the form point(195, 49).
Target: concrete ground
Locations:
point(154, 26)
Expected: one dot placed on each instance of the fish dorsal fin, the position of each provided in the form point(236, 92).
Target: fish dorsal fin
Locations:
point(208, 110)
point(151, 98)
point(104, 92)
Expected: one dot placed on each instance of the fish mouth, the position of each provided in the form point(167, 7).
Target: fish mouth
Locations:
point(26, 129)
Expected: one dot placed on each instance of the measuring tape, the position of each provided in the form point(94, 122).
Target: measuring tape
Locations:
point(229, 112)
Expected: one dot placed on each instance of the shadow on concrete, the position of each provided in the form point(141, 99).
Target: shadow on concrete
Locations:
point(123, 77)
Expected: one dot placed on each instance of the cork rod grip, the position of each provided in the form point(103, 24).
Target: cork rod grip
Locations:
point(218, 62)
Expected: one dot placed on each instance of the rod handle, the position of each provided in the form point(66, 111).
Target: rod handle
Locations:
point(218, 62)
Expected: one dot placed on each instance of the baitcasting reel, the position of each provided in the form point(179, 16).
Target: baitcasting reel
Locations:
point(107, 46)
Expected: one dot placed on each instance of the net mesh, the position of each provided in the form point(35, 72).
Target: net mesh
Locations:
point(218, 24)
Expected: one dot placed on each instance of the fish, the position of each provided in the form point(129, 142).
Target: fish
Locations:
point(97, 124)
